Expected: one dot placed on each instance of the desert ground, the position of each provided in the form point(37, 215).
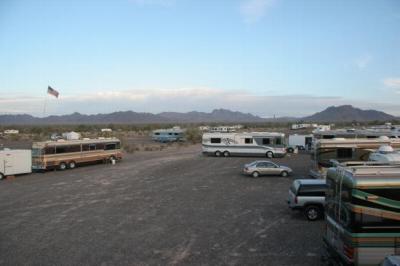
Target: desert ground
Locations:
point(168, 207)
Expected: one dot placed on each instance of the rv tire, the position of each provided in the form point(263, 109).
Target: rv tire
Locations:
point(217, 153)
point(226, 154)
point(62, 166)
point(71, 165)
point(290, 150)
point(269, 154)
point(1, 176)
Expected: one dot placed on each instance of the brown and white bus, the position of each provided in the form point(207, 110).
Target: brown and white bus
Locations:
point(63, 154)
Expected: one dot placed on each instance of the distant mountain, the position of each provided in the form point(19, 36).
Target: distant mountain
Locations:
point(129, 117)
point(348, 113)
point(217, 115)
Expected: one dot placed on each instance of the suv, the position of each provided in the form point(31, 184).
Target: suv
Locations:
point(308, 195)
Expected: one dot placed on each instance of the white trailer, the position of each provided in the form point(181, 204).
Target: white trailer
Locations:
point(15, 162)
point(269, 144)
point(300, 142)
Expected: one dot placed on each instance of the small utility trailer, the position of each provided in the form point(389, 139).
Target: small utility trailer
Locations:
point(15, 162)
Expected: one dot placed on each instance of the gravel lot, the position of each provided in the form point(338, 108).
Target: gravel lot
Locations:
point(173, 207)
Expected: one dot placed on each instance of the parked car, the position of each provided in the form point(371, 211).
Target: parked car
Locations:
point(308, 195)
point(259, 168)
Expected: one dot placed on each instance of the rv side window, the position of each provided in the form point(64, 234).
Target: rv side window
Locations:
point(169, 133)
point(49, 150)
point(157, 133)
point(85, 147)
point(248, 140)
point(372, 137)
point(100, 146)
point(328, 136)
point(110, 146)
point(278, 141)
point(266, 141)
point(176, 134)
point(344, 153)
point(215, 140)
point(66, 149)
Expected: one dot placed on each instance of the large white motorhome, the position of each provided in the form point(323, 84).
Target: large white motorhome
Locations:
point(269, 144)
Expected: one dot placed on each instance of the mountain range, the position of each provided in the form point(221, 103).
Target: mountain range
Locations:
point(342, 113)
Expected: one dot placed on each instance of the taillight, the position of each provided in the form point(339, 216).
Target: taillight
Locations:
point(295, 199)
point(348, 251)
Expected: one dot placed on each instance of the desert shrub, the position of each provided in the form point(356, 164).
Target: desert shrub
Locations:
point(193, 135)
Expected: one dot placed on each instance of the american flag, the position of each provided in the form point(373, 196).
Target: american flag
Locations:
point(52, 91)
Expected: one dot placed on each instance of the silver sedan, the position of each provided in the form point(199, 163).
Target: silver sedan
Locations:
point(259, 168)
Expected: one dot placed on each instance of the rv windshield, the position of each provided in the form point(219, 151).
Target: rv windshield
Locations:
point(36, 152)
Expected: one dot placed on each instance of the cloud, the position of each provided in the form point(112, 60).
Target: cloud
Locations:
point(254, 10)
point(183, 100)
point(363, 61)
point(393, 83)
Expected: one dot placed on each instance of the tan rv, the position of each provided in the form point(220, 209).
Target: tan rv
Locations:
point(344, 150)
point(63, 154)
point(362, 213)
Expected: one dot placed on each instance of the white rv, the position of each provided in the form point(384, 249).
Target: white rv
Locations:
point(15, 162)
point(269, 144)
point(385, 154)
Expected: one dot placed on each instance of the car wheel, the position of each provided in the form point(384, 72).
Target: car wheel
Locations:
point(312, 212)
point(255, 174)
point(72, 165)
point(270, 154)
point(1, 176)
point(62, 166)
point(226, 154)
point(284, 174)
point(112, 158)
point(217, 153)
point(290, 150)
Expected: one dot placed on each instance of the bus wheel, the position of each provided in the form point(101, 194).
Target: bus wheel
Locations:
point(270, 154)
point(72, 165)
point(226, 154)
point(62, 166)
point(217, 153)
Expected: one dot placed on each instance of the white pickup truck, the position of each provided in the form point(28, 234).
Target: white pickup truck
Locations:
point(15, 162)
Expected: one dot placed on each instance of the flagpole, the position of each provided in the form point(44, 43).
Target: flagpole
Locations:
point(45, 104)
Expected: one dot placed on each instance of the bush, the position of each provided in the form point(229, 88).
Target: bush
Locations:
point(193, 135)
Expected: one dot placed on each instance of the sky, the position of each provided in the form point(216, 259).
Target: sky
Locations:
point(266, 57)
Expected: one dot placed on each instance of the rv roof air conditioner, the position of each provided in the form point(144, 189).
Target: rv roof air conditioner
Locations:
point(385, 149)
